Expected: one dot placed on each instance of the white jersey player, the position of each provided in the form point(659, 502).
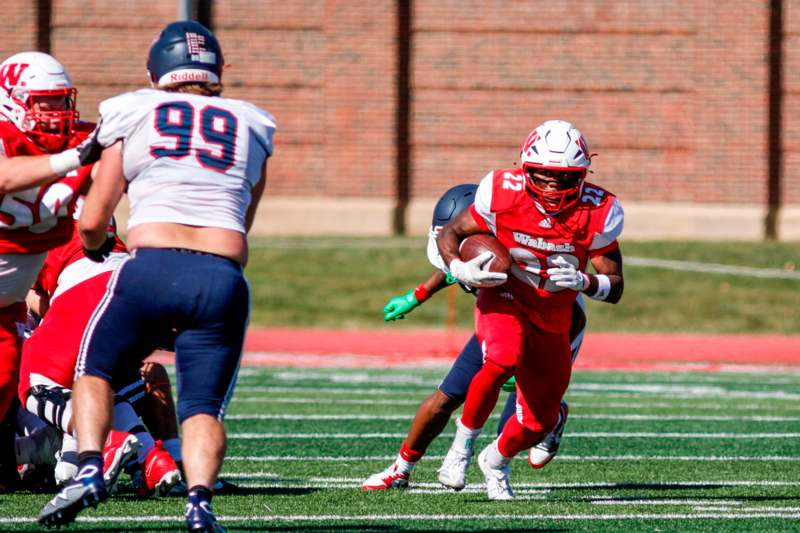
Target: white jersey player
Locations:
point(202, 154)
point(194, 167)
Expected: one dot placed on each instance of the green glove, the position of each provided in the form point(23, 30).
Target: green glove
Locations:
point(398, 306)
point(510, 385)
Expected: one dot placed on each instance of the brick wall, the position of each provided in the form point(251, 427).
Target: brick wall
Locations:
point(672, 95)
point(20, 33)
point(791, 116)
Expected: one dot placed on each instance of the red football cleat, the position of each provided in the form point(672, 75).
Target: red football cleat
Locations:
point(160, 471)
point(120, 448)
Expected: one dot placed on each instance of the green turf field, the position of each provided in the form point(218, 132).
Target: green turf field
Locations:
point(346, 282)
point(642, 452)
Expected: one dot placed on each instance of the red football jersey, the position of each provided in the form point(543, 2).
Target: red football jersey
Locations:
point(37, 219)
point(60, 257)
point(536, 238)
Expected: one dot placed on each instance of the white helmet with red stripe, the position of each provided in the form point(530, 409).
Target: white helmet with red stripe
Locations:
point(37, 95)
point(559, 150)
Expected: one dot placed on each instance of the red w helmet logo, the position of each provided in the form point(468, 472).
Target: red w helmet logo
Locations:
point(10, 74)
point(530, 141)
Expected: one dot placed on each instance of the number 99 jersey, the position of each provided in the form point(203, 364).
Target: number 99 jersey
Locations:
point(188, 159)
point(536, 239)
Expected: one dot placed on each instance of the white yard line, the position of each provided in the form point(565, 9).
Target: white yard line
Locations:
point(728, 515)
point(575, 435)
point(312, 482)
point(615, 390)
point(682, 418)
point(326, 401)
point(749, 395)
point(561, 457)
point(712, 268)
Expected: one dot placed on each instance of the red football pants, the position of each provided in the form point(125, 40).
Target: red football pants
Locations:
point(542, 361)
point(10, 348)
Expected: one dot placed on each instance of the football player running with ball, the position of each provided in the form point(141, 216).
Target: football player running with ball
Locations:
point(435, 411)
point(194, 166)
point(553, 223)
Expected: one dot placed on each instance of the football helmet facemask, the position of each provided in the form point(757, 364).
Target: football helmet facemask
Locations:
point(185, 52)
point(38, 97)
point(555, 158)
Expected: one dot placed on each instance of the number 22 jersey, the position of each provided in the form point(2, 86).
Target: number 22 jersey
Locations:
point(188, 159)
point(537, 239)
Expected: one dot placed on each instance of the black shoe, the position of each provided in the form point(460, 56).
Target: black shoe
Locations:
point(84, 491)
point(200, 518)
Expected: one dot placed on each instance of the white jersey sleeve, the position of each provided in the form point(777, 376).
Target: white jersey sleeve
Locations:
point(612, 228)
point(118, 118)
point(483, 202)
point(189, 159)
point(433, 251)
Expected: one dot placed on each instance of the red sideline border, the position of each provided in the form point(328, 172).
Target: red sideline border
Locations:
point(601, 351)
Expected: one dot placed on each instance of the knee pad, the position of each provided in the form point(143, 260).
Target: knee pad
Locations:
point(51, 403)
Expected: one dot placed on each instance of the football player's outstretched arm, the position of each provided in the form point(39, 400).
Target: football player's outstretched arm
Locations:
point(23, 172)
point(399, 306)
point(104, 195)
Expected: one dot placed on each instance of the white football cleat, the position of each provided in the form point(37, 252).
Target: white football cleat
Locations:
point(390, 478)
point(453, 472)
point(497, 485)
point(547, 448)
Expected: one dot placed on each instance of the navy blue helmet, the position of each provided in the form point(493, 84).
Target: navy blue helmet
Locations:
point(452, 202)
point(185, 52)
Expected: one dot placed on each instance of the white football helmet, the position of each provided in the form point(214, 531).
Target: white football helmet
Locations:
point(559, 150)
point(37, 95)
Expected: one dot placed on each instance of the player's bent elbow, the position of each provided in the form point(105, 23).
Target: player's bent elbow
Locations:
point(90, 233)
point(616, 293)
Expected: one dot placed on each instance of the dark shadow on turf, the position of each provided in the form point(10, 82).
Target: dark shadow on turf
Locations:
point(696, 497)
point(376, 529)
point(648, 486)
point(371, 528)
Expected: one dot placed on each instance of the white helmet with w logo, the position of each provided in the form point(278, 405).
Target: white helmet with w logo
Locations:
point(37, 95)
point(557, 149)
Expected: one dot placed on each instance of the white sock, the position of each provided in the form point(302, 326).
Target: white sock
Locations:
point(464, 441)
point(173, 447)
point(494, 458)
point(403, 466)
point(69, 447)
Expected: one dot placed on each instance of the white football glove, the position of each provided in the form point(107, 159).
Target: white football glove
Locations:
point(472, 272)
point(567, 276)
